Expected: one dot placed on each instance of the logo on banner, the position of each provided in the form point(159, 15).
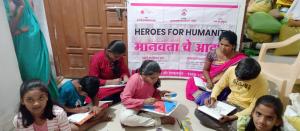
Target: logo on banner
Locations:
point(184, 12)
point(144, 13)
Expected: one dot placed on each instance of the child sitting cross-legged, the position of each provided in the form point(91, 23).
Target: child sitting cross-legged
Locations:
point(246, 83)
point(140, 90)
point(72, 95)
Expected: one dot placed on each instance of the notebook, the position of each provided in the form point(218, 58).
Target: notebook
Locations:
point(81, 118)
point(201, 84)
point(216, 112)
point(122, 84)
point(164, 108)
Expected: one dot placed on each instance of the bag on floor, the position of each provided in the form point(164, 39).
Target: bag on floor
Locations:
point(262, 22)
point(285, 33)
point(258, 37)
point(259, 6)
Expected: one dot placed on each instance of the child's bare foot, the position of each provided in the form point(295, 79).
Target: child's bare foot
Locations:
point(167, 120)
point(106, 118)
point(103, 118)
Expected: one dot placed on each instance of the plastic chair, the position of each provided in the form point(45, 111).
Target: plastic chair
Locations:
point(282, 74)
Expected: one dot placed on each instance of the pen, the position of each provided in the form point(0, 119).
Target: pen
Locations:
point(180, 125)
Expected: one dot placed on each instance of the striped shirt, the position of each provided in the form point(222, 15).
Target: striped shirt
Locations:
point(58, 123)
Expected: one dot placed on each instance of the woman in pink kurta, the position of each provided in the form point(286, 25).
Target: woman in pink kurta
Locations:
point(216, 63)
point(140, 90)
point(109, 66)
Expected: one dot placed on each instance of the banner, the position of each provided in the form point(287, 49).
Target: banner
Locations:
point(177, 34)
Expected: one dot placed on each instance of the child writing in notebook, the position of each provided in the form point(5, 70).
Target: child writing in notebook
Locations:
point(266, 116)
point(141, 89)
point(109, 67)
point(37, 111)
point(72, 95)
point(246, 83)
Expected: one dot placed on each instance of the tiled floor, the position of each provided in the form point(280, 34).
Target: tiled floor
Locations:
point(184, 110)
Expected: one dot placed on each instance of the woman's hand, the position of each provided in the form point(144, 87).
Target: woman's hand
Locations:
point(149, 101)
point(113, 81)
point(125, 78)
point(162, 93)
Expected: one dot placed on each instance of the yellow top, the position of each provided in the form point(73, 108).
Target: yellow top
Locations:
point(243, 93)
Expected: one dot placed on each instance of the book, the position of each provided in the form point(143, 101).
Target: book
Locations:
point(201, 84)
point(113, 86)
point(81, 118)
point(164, 108)
point(220, 109)
point(109, 103)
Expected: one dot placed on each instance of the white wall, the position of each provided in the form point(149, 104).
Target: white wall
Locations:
point(10, 79)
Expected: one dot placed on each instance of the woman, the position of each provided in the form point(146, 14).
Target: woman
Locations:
point(30, 45)
point(217, 61)
point(109, 66)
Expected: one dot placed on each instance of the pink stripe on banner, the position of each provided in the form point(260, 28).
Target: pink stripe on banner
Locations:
point(177, 73)
point(185, 5)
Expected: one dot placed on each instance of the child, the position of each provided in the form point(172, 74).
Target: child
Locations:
point(110, 68)
point(266, 116)
point(37, 111)
point(140, 90)
point(246, 85)
point(72, 95)
point(217, 61)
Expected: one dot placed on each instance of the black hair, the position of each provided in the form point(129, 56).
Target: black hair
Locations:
point(116, 68)
point(90, 85)
point(27, 118)
point(269, 101)
point(247, 69)
point(149, 67)
point(230, 36)
point(117, 47)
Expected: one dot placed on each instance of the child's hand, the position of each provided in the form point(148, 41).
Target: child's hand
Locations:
point(149, 101)
point(82, 109)
point(209, 85)
point(162, 93)
point(210, 102)
point(225, 119)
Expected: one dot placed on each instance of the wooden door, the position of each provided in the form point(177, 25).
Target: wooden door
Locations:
point(80, 28)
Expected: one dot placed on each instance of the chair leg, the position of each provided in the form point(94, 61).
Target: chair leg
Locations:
point(283, 91)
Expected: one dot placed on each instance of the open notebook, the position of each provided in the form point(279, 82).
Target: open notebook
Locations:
point(164, 108)
point(122, 84)
point(201, 84)
point(216, 112)
point(81, 118)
